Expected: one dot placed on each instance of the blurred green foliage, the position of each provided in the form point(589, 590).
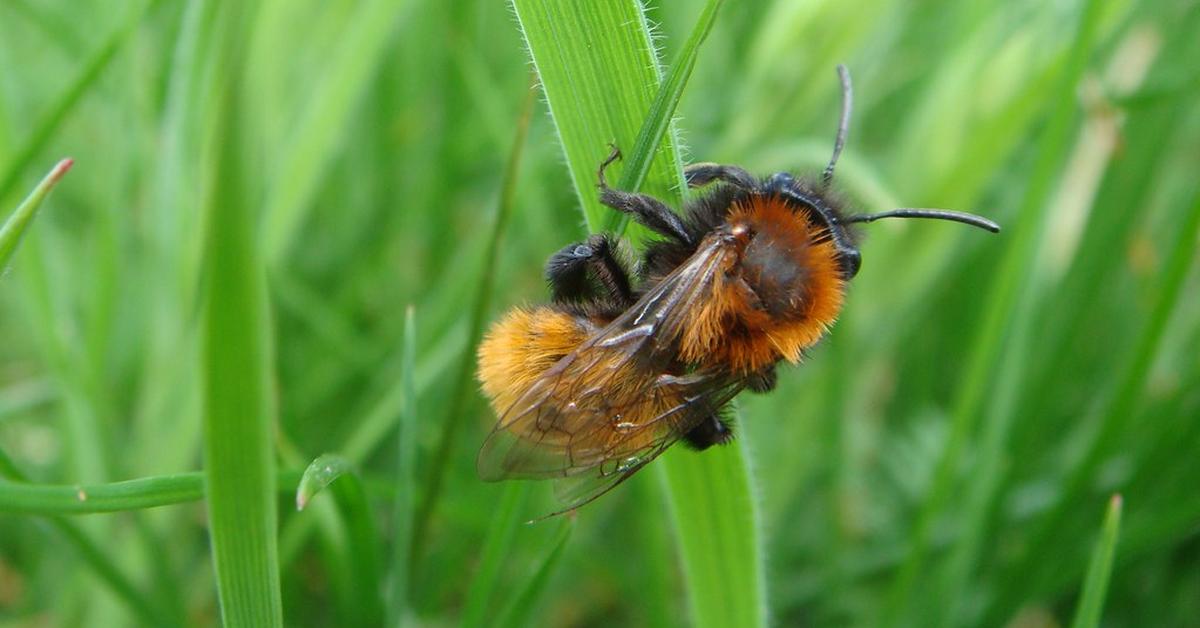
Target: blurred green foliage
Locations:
point(944, 457)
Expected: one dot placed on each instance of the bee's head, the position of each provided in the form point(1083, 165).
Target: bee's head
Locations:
point(822, 211)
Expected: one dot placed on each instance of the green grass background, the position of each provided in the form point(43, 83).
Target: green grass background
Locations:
point(945, 457)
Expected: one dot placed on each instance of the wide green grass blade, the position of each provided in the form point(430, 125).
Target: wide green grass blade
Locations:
point(14, 228)
point(236, 363)
point(718, 532)
point(322, 127)
point(599, 72)
point(1091, 603)
point(600, 75)
point(662, 112)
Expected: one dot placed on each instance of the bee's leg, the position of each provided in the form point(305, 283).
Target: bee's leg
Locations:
point(713, 431)
point(567, 271)
point(644, 208)
point(763, 381)
point(707, 172)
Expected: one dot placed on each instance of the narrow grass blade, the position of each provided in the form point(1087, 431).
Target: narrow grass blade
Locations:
point(19, 221)
point(320, 474)
point(93, 556)
point(321, 129)
point(1091, 602)
point(518, 611)
point(1001, 303)
point(462, 382)
point(236, 364)
point(662, 111)
point(21, 498)
point(405, 480)
point(496, 547)
point(65, 104)
point(599, 72)
point(600, 75)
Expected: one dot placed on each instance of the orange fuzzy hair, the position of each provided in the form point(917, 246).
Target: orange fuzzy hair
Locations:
point(732, 330)
point(522, 346)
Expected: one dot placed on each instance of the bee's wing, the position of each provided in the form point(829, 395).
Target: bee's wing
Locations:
point(604, 410)
point(706, 396)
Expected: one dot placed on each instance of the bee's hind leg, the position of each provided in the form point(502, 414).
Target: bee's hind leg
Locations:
point(704, 173)
point(713, 431)
point(574, 271)
point(646, 209)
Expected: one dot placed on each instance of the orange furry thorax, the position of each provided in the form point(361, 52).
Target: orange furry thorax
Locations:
point(776, 296)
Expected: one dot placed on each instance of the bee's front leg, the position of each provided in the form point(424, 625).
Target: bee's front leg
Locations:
point(576, 270)
point(645, 209)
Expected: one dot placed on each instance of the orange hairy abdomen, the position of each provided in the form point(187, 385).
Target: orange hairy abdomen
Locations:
point(522, 346)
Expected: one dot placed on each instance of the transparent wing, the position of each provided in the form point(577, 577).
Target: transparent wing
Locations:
point(609, 407)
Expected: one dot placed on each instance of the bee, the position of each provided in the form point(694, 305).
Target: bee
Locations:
point(595, 385)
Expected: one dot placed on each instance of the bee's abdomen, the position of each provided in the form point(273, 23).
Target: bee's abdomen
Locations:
point(523, 345)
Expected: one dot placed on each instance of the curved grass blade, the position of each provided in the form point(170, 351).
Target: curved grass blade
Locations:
point(599, 72)
point(19, 221)
point(320, 474)
point(1091, 602)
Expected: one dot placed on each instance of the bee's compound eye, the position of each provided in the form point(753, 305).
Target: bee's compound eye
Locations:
point(780, 181)
point(850, 260)
point(582, 250)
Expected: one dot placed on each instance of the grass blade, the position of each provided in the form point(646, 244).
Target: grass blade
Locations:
point(717, 528)
point(321, 128)
point(21, 498)
point(402, 514)
point(320, 474)
point(518, 611)
point(599, 72)
point(662, 111)
point(362, 549)
point(462, 383)
point(18, 222)
point(600, 75)
point(1091, 603)
point(236, 364)
point(53, 119)
point(1001, 304)
point(496, 548)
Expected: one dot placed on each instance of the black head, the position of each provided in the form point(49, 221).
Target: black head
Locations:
point(825, 213)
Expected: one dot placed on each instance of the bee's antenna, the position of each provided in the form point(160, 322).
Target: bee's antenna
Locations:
point(939, 214)
point(843, 124)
